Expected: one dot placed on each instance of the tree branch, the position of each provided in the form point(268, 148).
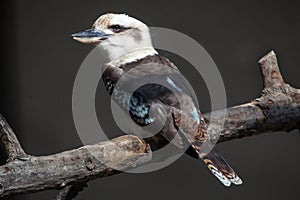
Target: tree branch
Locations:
point(9, 142)
point(278, 109)
point(71, 191)
point(63, 169)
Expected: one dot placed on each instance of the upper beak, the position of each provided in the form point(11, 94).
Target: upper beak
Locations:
point(90, 36)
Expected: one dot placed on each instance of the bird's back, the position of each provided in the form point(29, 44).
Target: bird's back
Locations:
point(155, 84)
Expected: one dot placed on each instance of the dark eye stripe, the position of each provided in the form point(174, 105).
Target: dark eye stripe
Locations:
point(117, 28)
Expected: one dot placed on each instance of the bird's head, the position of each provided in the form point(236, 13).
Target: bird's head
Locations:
point(117, 35)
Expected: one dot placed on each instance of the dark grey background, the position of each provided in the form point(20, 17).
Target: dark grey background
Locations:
point(39, 62)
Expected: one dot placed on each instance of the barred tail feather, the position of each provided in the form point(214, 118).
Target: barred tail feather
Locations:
point(214, 161)
point(220, 168)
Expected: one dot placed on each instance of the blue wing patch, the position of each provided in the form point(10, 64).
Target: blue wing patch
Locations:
point(195, 115)
point(171, 82)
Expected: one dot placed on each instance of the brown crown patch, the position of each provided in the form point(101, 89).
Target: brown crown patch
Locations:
point(103, 21)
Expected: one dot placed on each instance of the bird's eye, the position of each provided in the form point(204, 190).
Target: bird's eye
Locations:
point(117, 28)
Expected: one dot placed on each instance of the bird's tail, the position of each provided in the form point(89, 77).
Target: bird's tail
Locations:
point(220, 168)
point(214, 161)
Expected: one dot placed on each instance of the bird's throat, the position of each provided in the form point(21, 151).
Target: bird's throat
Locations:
point(132, 56)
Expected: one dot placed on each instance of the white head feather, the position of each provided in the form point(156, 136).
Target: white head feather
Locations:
point(132, 41)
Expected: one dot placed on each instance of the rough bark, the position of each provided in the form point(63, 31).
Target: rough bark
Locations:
point(9, 142)
point(278, 109)
point(60, 170)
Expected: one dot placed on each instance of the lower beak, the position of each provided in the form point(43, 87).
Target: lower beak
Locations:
point(90, 36)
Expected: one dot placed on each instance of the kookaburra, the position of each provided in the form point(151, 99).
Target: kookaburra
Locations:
point(126, 43)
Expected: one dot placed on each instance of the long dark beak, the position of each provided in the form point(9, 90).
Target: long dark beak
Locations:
point(90, 36)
